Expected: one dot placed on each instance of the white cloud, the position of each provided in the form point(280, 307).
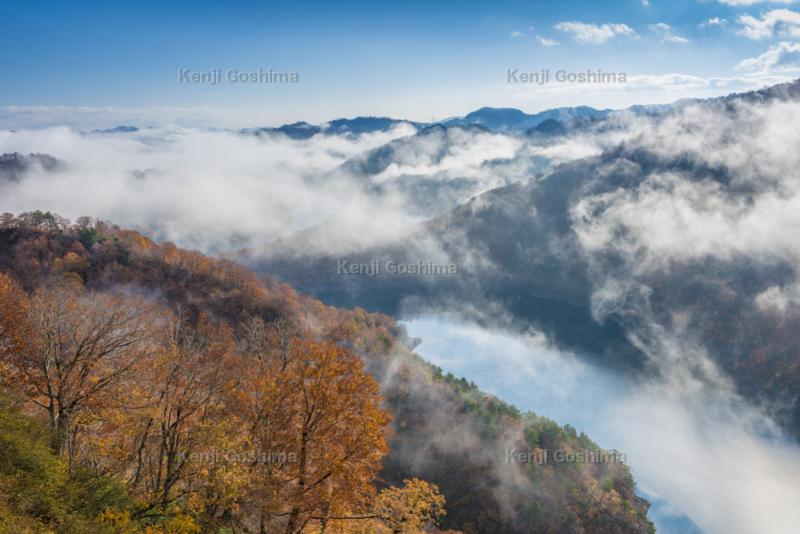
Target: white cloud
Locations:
point(664, 31)
point(546, 42)
point(713, 21)
point(691, 427)
point(516, 34)
point(656, 88)
point(670, 82)
point(783, 57)
point(645, 3)
point(202, 188)
point(587, 33)
point(674, 82)
point(454, 152)
point(780, 22)
point(688, 436)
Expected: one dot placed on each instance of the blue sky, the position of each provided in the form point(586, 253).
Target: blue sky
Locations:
point(411, 59)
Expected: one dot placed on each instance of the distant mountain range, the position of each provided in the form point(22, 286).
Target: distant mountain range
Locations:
point(356, 126)
point(499, 120)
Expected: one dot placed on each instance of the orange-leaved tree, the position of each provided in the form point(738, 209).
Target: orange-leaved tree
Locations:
point(318, 426)
point(67, 348)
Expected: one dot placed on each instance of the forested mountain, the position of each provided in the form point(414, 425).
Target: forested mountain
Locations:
point(659, 232)
point(166, 391)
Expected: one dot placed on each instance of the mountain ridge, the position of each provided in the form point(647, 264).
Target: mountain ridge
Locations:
point(443, 426)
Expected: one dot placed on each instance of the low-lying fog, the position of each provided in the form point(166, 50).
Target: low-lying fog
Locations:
point(693, 451)
point(694, 446)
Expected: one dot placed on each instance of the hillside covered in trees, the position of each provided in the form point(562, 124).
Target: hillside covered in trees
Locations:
point(148, 388)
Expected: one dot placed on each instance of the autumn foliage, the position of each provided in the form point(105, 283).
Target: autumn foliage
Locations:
point(255, 424)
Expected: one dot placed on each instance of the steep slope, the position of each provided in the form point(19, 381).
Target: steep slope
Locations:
point(481, 452)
